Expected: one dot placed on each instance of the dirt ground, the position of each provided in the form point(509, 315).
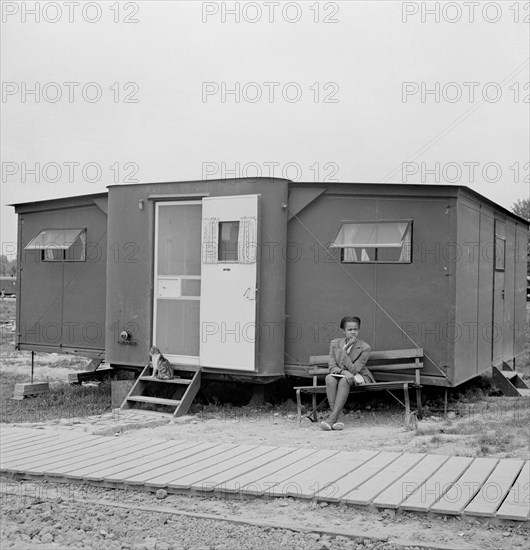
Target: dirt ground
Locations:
point(489, 426)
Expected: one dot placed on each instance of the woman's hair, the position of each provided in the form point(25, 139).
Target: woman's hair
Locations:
point(345, 320)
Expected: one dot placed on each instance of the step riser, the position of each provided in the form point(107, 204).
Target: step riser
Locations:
point(510, 383)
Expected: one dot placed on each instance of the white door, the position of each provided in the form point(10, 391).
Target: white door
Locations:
point(177, 278)
point(229, 269)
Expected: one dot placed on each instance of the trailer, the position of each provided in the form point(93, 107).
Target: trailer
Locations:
point(246, 279)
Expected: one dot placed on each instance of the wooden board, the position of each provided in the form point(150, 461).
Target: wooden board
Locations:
point(517, 504)
point(80, 467)
point(27, 388)
point(250, 480)
point(219, 480)
point(41, 445)
point(366, 493)
point(496, 487)
point(423, 496)
point(207, 467)
point(45, 454)
point(74, 448)
point(11, 446)
point(161, 460)
point(394, 495)
point(273, 484)
point(159, 476)
point(21, 435)
point(363, 473)
point(203, 479)
point(116, 464)
point(51, 463)
point(462, 491)
point(324, 477)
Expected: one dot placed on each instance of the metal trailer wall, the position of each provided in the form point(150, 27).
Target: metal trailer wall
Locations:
point(61, 304)
point(401, 305)
point(130, 282)
point(473, 328)
point(520, 285)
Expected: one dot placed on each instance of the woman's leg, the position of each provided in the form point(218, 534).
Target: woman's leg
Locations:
point(341, 397)
point(331, 389)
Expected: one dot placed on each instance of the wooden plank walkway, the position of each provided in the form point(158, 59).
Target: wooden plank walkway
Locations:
point(477, 487)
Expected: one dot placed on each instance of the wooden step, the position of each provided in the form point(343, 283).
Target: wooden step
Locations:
point(187, 392)
point(181, 381)
point(512, 385)
point(147, 412)
point(153, 400)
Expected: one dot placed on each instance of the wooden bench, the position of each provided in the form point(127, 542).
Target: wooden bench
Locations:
point(386, 367)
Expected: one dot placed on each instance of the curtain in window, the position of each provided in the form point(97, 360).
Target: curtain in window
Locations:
point(210, 240)
point(248, 240)
point(348, 234)
point(370, 235)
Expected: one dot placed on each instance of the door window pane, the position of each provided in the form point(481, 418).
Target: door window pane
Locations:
point(179, 240)
point(228, 241)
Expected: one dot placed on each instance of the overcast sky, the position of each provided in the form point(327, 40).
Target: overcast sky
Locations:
point(352, 91)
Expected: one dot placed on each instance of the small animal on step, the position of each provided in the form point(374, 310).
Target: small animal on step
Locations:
point(161, 366)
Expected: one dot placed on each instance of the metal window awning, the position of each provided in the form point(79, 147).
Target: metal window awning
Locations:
point(371, 235)
point(54, 239)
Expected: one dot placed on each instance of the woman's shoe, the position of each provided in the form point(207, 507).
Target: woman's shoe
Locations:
point(337, 426)
point(325, 426)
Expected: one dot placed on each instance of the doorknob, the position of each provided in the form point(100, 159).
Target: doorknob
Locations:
point(250, 293)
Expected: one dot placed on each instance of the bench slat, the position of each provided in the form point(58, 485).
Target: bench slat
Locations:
point(396, 366)
point(361, 387)
point(396, 354)
point(375, 369)
point(388, 355)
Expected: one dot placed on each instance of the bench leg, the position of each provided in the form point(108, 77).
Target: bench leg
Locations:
point(315, 416)
point(407, 405)
point(418, 400)
point(299, 405)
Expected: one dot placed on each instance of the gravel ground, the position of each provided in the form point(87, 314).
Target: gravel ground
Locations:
point(55, 516)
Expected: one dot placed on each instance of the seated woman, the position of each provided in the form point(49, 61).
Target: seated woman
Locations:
point(347, 367)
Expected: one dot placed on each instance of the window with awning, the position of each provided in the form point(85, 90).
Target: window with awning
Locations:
point(56, 245)
point(375, 241)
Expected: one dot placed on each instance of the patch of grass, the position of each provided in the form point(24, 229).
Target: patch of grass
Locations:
point(62, 401)
point(466, 428)
point(494, 442)
point(427, 429)
point(8, 308)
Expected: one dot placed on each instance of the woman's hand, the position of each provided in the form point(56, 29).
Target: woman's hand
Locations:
point(349, 377)
point(335, 370)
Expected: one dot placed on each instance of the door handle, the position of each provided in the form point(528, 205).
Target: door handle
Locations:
point(250, 294)
point(502, 293)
